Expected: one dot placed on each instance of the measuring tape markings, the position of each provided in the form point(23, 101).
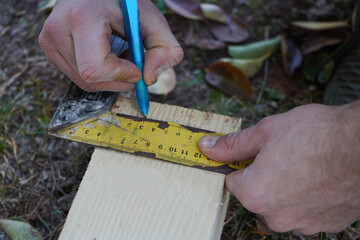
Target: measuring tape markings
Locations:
point(164, 140)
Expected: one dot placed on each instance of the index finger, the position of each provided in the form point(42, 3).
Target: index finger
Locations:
point(92, 49)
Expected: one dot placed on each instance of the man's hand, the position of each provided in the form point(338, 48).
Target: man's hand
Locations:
point(75, 38)
point(306, 173)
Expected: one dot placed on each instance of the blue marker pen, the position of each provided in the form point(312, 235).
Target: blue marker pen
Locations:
point(134, 38)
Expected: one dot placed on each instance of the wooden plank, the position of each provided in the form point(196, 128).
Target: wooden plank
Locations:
point(124, 196)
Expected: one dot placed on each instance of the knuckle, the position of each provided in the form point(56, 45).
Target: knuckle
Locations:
point(264, 126)
point(55, 30)
point(119, 73)
point(89, 72)
point(78, 17)
point(231, 140)
point(51, 27)
point(265, 122)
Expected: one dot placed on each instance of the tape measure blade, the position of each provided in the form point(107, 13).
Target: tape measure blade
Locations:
point(151, 138)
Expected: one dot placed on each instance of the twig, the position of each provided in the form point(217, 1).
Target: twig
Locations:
point(4, 31)
point(297, 234)
point(229, 219)
point(56, 229)
point(53, 174)
point(35, 209)
point(266, 70)
point(6, 212)
point(354, 230)
point(348, 235)
point(242, 225)
point(14, 149)
point(43, 222)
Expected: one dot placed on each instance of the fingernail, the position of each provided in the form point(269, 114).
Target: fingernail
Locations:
point(208, 141)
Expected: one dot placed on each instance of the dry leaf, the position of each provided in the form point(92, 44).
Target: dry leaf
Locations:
point(317, 42)
point(166, 82)
point(319, 26)
point(234, 31)
point(229, 80)
point(209, 44)
point(213, 12)
point(187, 8)
point(292, 55)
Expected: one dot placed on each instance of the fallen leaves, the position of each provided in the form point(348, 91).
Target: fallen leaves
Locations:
point(186, 8)
point(250, 67)
point(222, 26)
point(46, 5)
point(292, 56)
point(214, 12)
point(209, 44)
point(255, 50)
point(311, 37)
point(19, 229)
point(310, 64)
point(233, 31)
point(250, 58)
point(317, 42)
point(229, 80)
point(166, 82)
point(319, 26)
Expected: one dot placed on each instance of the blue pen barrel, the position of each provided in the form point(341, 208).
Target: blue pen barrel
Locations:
point(142, 95)
point(135, 41)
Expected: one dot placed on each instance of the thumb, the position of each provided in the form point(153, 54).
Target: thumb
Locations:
point(237, 146)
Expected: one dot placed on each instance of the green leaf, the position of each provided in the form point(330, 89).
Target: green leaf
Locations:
point(161, 6)
point(310, 65)
point(229, 80)
point(19, 230)
point(46, 5)
point(275, 94)
point(250, 67)
point(255, 50)
point(166, 82)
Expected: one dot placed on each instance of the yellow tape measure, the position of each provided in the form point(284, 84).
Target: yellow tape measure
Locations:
point(162, 140)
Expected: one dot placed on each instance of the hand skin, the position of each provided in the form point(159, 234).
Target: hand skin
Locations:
point(306, 172)
point(75, 38)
